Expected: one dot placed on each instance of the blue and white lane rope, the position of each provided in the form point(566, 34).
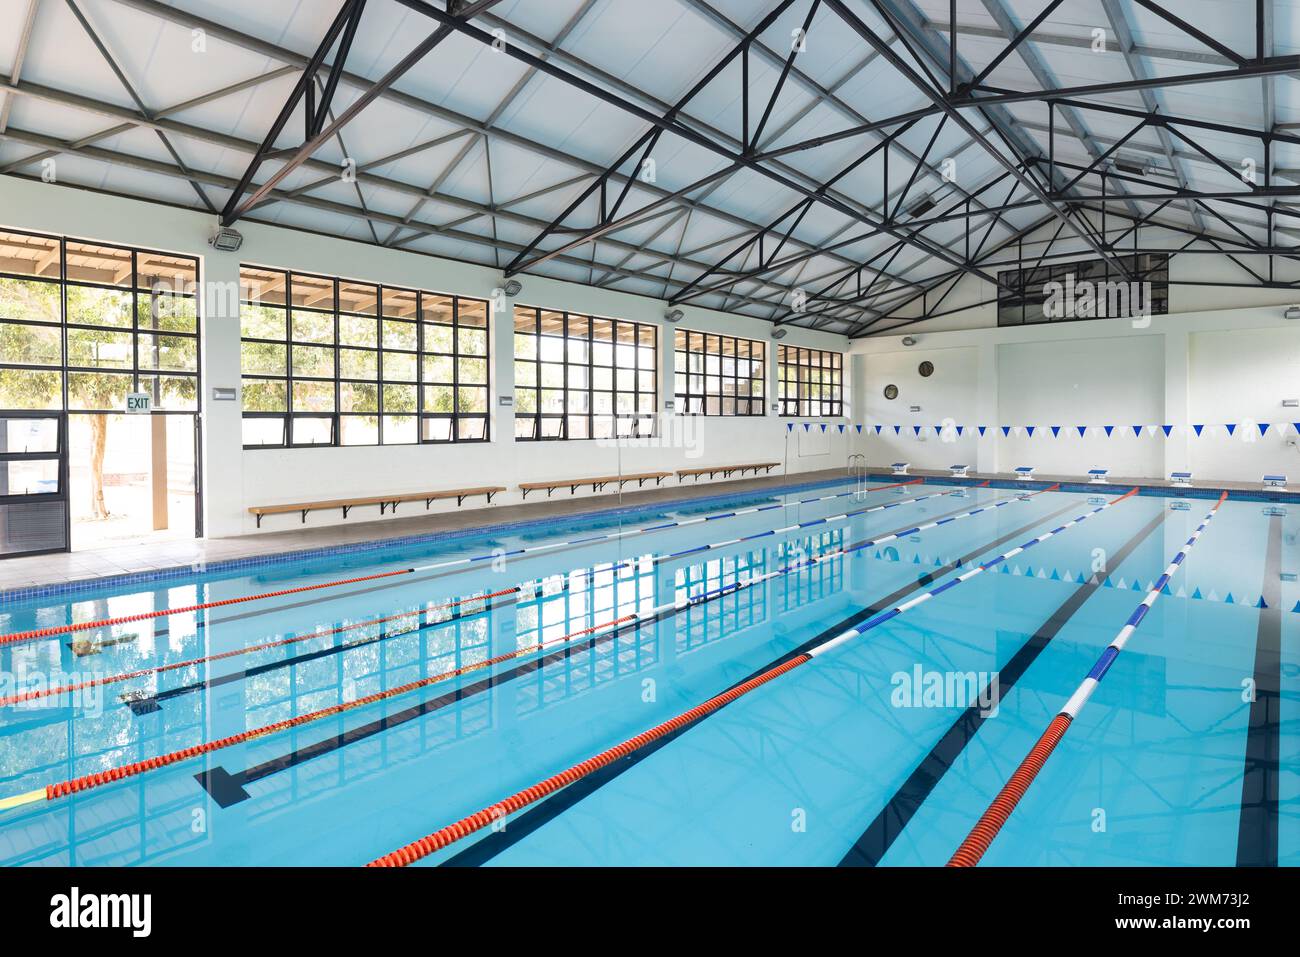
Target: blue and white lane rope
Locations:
point(844, 637)
point(977, 842)
point(458, 830)
point(683, 523)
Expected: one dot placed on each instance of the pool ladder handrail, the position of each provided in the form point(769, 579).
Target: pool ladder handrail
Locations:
point(856, 466)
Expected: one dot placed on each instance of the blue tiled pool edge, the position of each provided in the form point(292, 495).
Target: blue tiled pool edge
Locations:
point(55, 590)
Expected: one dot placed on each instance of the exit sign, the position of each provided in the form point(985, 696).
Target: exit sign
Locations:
point(139, 402)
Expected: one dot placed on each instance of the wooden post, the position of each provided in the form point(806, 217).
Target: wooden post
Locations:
point(158, 443)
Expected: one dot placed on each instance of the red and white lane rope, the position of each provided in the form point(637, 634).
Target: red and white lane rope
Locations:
point(58, 630)
point(977, 842)
point(110, 775)
point(457, 830)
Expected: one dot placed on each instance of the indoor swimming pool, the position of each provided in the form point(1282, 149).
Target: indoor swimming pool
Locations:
point(896, 648)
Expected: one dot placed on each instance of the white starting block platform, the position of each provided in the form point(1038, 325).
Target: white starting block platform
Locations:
point(1275, 483)
point(1098, 476)
point(1180, 479)
point(1025, 472)
point(900, 468)
point(959, 471)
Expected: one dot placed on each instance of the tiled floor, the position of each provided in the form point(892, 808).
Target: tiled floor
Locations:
point(134, 559)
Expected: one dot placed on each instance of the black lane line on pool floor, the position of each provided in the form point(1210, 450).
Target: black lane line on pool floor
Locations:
point(227, 788)
point(436, 576)
point(552, 807)
point(1257, 829)
point(143, 703)
point(872, 845)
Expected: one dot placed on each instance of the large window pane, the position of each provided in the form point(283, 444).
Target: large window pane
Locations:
point(565, 374)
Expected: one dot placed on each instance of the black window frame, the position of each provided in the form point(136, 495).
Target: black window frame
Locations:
point(1023, 289)
point(790, 388)
point(639, 417)
point(132, 285)
point(687, 400)
point(461, 428)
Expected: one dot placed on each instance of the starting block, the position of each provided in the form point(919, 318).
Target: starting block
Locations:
point(959, 471)
point(1098, 476)
point(1180, 479)
point(1275, 483)
point(1025, 472)
point(900, 468)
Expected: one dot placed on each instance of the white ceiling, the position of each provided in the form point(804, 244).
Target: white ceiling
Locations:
point(472, 153)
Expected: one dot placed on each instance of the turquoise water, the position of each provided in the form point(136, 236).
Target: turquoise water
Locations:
point(1170, 763)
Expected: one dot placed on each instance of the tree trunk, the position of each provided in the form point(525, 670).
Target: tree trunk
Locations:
point(98, 440)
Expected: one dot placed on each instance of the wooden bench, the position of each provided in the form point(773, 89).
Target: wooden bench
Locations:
point(383, 501)
point(726, 470)
point(597, 483)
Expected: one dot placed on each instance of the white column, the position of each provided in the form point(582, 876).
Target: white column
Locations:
point(1177, 401)
point(986, 408)
point(223, 455)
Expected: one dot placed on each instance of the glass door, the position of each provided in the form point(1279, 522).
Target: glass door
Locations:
point(33, 483)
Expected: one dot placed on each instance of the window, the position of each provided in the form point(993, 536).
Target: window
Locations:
point(580, 377)
point(1093, 289)
point(330, 361)
point(82, 325)
point(810, 382)
point(717, 375)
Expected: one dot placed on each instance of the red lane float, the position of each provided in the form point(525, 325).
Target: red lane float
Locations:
point(279, 643)
point(485, 818)
point(163, 612)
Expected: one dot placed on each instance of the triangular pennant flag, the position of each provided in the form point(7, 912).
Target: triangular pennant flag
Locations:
point(1030, 430)
point(959, 430)
point(841, 429)
point(984, 428)
point(824, 424)
point(1261, 603)
point(1109, 429)
point(916, 429)
point(1137, 431)
point(938, 430)
point(1297, 426)
point(1199, 429)
point(807, 426)
point(1231, 427)
point(898, 429)
point(1197, 592)
point(859, 428)
point(789, 426)
point(1263, 428)
point(1229, 600)
point(1083, 430)
point(1168, 429)
point(1006, 430)
point(1056, 431)
point(1296, 608)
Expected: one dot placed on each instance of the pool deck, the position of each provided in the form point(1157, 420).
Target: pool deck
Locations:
point(85, 568)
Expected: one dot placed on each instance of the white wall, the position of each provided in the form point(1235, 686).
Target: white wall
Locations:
point(235, 478)
point(1207, 368)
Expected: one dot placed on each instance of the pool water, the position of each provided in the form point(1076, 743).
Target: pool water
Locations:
point(877, 753)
